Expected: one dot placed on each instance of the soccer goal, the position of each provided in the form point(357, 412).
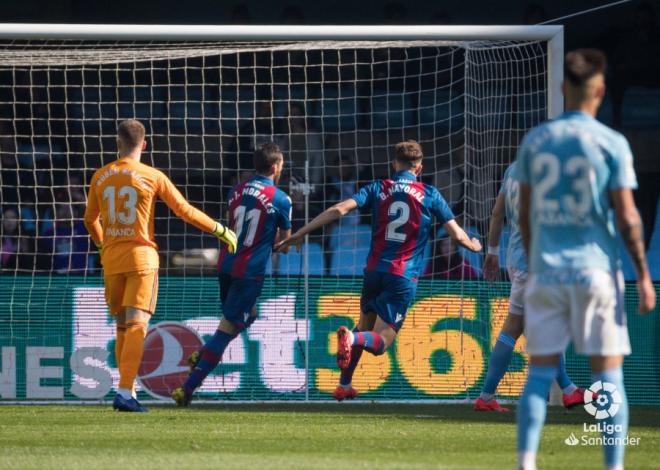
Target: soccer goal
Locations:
point(336, 99)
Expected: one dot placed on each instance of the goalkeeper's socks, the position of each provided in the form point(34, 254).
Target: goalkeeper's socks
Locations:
point(209, 358)
point(131, 353)
point(563, 380)
point(498, 364)
point(369, 340)
point(119, 343)
point(615, 450)
point(531, 413)
point(346, 376)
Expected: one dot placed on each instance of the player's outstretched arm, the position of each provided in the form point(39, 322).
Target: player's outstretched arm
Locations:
point(91, 218)
point(183, 209)
point(492, 262)
point(459, 236)
point(328, 216)
point(630, 226)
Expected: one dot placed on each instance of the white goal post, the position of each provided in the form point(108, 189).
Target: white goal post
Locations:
point(336, 98)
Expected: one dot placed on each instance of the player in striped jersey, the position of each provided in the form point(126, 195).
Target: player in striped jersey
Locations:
point(507, 206)
point(259, 213)
point(402, 210)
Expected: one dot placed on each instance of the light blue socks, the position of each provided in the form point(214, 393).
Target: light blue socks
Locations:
point(531, 412)
point(618, 423)
point(498, 364)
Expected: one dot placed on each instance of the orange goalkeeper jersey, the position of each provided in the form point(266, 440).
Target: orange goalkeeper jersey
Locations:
point(124, 194)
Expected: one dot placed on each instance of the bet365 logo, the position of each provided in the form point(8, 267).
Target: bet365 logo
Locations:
point(602, 400)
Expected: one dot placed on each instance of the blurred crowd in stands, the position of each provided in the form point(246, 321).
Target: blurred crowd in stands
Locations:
point(43, 185)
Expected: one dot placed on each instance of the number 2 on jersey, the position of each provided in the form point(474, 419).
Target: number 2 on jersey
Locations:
point(127, 215)
point(252, 219)
point(401, 211)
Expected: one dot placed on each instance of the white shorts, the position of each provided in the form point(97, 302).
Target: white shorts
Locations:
point(585, 307)
point(518, 279)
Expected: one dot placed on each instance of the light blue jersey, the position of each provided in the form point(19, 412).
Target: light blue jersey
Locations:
point(571, 164)
point(515, 252)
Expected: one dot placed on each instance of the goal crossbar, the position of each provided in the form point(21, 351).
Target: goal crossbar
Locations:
point(277, 32)
point(553, 34)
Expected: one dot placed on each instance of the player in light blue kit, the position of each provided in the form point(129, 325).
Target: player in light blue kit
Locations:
point(507, 206)
point(576, 178)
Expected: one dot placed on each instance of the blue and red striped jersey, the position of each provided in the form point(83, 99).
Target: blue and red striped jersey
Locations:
point(401, 210)
point(257, 209)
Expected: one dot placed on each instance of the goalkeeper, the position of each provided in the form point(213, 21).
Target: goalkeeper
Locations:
point(123, 193)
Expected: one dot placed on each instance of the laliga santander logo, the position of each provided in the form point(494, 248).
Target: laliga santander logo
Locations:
point(602, 400)
point(164, 363)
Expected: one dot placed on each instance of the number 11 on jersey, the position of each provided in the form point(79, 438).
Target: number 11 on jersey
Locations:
point(252, 218)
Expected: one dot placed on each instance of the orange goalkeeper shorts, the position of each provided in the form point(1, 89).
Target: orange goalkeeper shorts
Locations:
point(138, 289)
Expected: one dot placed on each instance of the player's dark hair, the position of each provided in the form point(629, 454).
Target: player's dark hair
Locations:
point(131, 132)
point(265, 156)
point(581, 65)
point(409, 152)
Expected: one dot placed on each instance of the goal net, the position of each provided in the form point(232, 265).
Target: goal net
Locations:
point(336, 108)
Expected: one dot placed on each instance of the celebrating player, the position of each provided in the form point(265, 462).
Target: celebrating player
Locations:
point(506, 204)
point(576, 176)
point(401, 210)
point(259, 212)
point(123, 193)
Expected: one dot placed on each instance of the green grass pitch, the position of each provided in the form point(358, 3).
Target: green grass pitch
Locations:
point(315, 436)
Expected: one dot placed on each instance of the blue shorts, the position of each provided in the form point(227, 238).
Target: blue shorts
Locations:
point(388, 295)
point(238, 297)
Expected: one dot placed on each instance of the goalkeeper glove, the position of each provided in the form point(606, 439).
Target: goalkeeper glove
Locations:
point(99, 246)
point(227, 236)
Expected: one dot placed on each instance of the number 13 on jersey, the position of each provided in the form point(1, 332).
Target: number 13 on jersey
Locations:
point(128, 198)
